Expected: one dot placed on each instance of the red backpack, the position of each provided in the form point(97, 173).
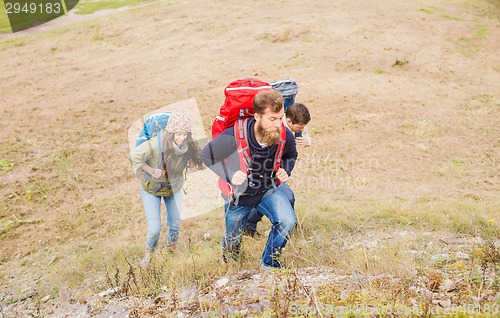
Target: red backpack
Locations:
point(236, 110)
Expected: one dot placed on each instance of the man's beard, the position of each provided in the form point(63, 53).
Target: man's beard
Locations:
point(269, 137)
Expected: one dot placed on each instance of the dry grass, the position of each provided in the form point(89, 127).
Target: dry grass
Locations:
point(407, 162)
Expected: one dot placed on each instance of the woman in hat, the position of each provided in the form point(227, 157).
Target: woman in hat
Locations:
point(162, 176)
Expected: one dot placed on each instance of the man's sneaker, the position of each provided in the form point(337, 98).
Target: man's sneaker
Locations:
point(252, 233)
point(146, 260)
point(263, 268)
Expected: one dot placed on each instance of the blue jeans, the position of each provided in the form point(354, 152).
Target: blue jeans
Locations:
point(152, 206)
point(255, 216)
point(276, 206)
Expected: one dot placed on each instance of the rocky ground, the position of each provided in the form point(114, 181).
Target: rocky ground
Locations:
point(440, 287)
point(405, 107)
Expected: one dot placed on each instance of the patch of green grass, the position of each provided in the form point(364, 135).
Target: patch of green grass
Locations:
point(459, 164)
point(420, 128)
point(481, 31)
point(4, 20)
point(298, 54)
point(36, 191)
point(6, 165)
point(449, 17)
point(469, 45)
point(441, 13)
point(87, 7)
point(12, 222)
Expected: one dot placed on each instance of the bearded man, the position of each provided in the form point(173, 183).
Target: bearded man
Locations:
point(257, 187)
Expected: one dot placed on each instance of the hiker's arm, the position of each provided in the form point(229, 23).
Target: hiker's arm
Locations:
point(154, 172)
point(140, 156)
point(221, 147)
point(282, 175)
point(290, 154)
point(305, 140)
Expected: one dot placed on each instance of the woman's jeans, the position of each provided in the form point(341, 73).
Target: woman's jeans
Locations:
point(152, 206)
point(276, 206)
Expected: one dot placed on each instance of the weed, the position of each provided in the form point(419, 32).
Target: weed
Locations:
point(400, 62)
point(6, 166)
point(13, 222)
point(298, 54)
point(449, 17)
point(36, 191)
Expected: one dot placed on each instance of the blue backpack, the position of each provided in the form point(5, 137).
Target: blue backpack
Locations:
point(153, 125)
point(288, 89)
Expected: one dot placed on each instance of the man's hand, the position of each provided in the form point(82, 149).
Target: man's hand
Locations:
point(300, 142)
point(238, 178)
point(282, 175)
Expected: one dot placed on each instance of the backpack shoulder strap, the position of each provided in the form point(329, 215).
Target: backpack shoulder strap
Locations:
point(240, 133)
point(160, 150)
point(281, 149)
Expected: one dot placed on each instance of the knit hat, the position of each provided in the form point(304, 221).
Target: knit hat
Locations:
point(179, 122)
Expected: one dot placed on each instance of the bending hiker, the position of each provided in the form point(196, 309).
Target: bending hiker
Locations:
point(256, 185)
point(297, 118)
point(160, 164)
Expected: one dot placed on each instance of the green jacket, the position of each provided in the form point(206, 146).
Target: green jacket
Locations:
point(149, 153)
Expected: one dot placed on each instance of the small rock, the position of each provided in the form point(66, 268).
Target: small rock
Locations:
point(445, 303)
point(73, 310)
point(45, 299)
point(207, 237)
point(26, 295)
point(246, 274)
point(497, 244)
point(114, 312)
point(448, 285)
point(189, 295)
point(221, 282)
point(344, 294)
point(179, 314)
point(478, 240)
point(371, 244)
point(109, 292)
point(52, 261)
point(461, 255)
point(440, 258)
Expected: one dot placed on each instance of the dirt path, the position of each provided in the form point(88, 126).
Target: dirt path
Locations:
point(69, 18)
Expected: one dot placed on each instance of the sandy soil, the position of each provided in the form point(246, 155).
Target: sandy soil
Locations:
point(404, 97)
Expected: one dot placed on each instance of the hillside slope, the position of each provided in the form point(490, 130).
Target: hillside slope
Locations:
point(405, 106)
